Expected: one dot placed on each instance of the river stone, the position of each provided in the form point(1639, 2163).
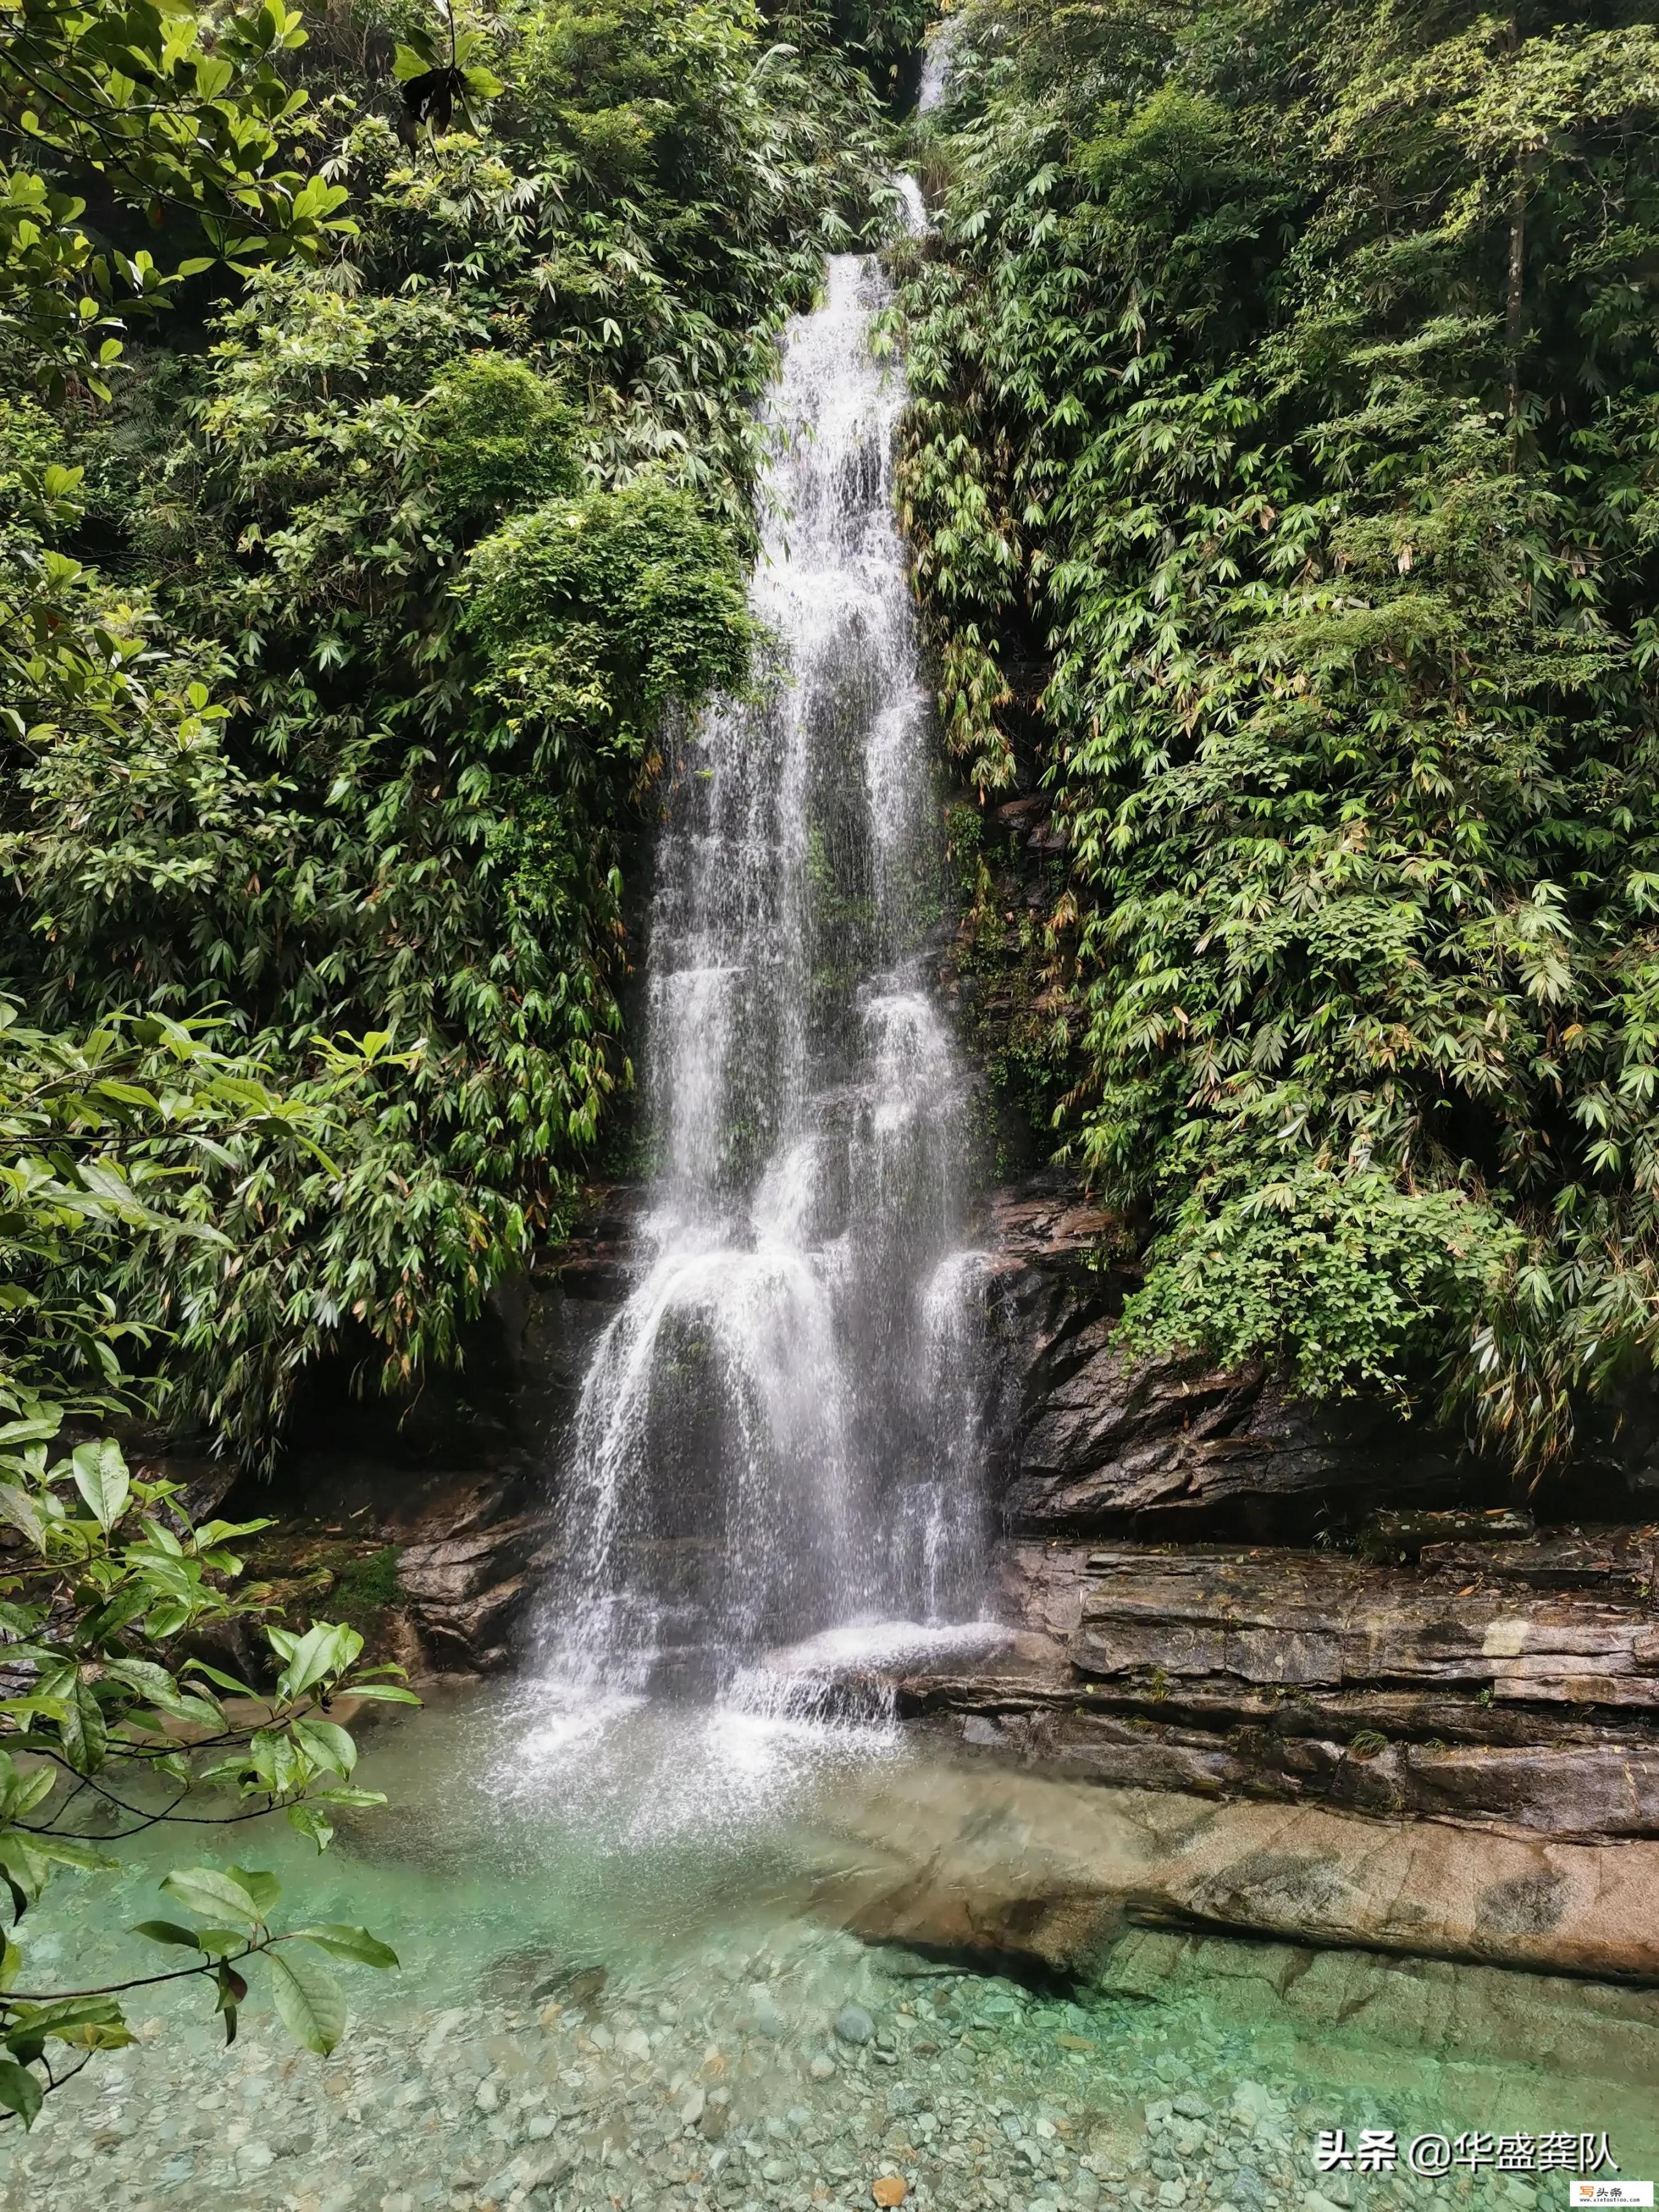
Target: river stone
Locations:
point(855, 2024)
point(1298, 1873)
point(766, 2013)
point(823, 2068)
point(550, 2167)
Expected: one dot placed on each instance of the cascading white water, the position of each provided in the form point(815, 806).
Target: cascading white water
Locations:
point(938, 61)
point(777, 1438)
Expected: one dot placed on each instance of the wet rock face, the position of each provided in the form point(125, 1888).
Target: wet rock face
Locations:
point(459, 1479)
point(1177, 1631)
point(1090, 1441)
point(1474, 1693)
point(1057, 1871)
point(1085, 1445)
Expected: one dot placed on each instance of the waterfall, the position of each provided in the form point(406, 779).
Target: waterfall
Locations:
point(938, 58)
point(777, 1438)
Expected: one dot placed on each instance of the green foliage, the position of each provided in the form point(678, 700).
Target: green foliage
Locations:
point(1282, 474)
point(883, 36)
point(112, 1721)
point(333, 649)
point(1345, 1281)
point(442, 72)
point(365, 1587)
point(143, 101)
point(337, 656)
point(495, 436)
point(592, 614)
point(130, 1138)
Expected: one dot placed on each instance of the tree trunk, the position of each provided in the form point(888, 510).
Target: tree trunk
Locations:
point(1514, 304)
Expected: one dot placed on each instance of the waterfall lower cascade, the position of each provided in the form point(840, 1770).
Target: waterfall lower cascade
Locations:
point(777, 1443)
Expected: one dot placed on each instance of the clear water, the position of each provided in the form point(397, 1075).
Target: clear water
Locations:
point(703, 1862)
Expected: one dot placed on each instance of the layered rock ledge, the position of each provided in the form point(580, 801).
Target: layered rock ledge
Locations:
point(1219, 1603)
point(1485, 1694)
point(1090, 1442)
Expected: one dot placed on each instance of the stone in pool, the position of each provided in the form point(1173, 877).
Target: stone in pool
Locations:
point(853, 2023)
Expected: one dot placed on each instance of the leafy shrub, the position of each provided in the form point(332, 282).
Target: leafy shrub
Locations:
point(1280, 467)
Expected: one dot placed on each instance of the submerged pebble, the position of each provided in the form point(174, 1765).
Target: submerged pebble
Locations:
point(478, 2108)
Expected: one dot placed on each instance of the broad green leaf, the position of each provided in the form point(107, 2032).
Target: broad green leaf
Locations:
point(385, 1693)
point(328, 1746)
point(19, 1793)
point(264, 1888)
point(37, 1428)
point(25, 1865)
point(168, 1931)
point(86, 1733)
point(308, 2000)
point(17, 1509)
point(348, 1943)
point(326, 1648)
point(216, 1942)
point(237, 1689)
point(310, 1820)
point(122, 1610)
point(89, 2023)
point(160, 1689)
point(70, 1850)
point(21, 2091)
point(214, 1895)
point(101, 1478)
point(226, 1532)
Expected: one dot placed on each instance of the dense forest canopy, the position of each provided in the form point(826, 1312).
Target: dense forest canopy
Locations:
point(351, 559)
point(1282, 480)
point(380, 467)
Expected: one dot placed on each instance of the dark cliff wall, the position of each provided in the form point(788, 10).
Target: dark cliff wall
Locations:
point(1218, 1589)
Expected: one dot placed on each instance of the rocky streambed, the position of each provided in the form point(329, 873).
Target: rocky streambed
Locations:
point(805, 2070)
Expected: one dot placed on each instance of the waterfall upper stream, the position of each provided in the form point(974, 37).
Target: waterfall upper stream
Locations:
point(776, 1436)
